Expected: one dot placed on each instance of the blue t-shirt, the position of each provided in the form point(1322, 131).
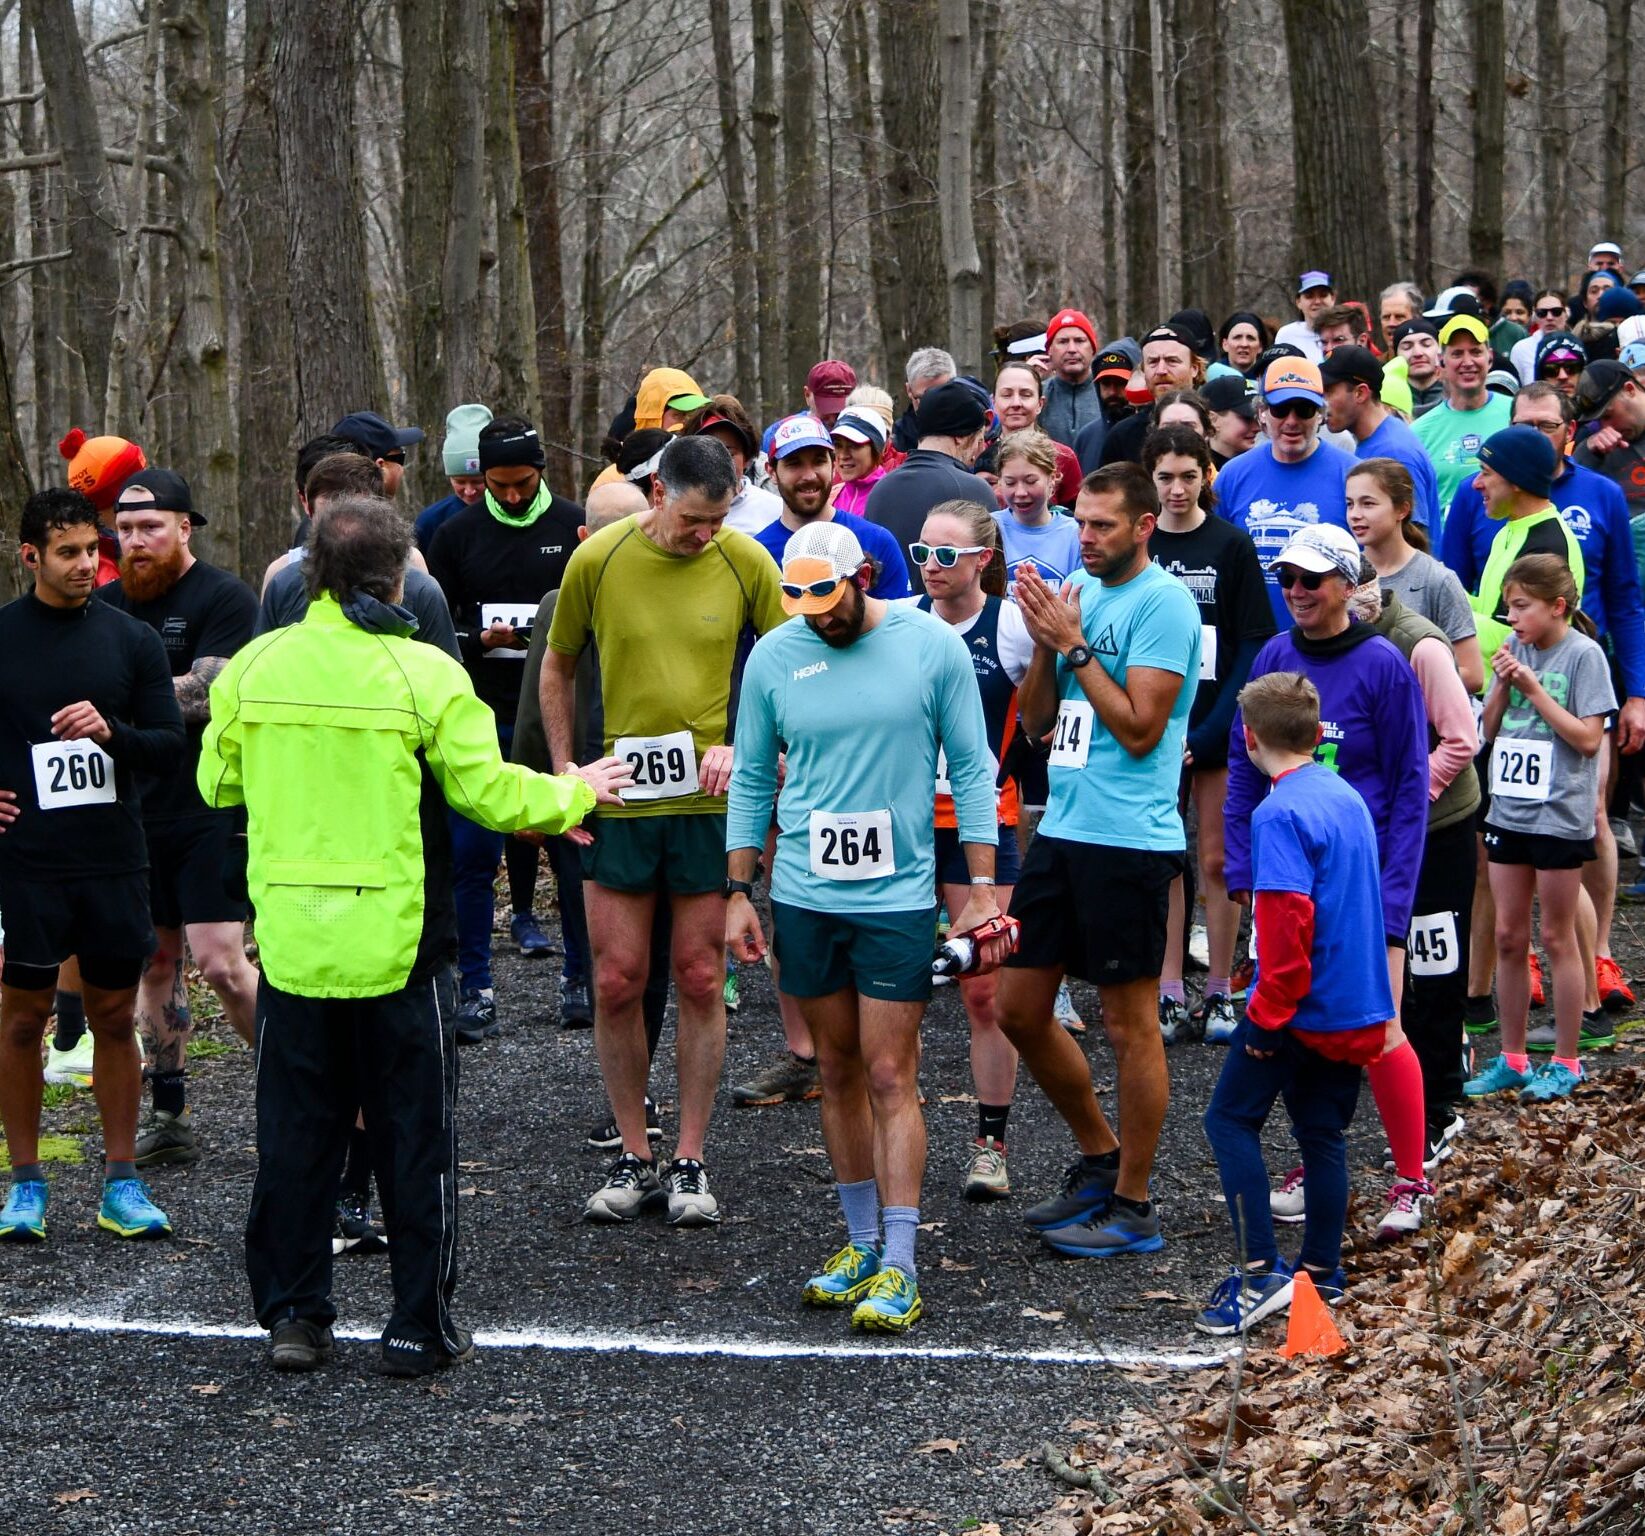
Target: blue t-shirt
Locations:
point(432, 519)
point(878, 543)
point(1100, 793)
point(1271, 501)
point(1313, 836)
point(1054, 548)
point(1394, 440)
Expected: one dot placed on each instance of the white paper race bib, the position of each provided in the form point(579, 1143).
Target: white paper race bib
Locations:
point(854, 846)
point(664, 767)
point(1431, 946)
point(943, 786)
point(1522, 770)
point(1071, 740)
point(1208, 653)
point(516, 616)
point(72, 773)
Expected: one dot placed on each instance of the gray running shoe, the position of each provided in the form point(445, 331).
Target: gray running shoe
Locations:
point(169, 1139)
point(1085, 1193)
point(786, 1080)
point(987, 1179)
point(1118, 1230)
point(690, 1202)
point(630, 1189)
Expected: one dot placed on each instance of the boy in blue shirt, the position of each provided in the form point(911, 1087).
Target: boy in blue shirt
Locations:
point(1318, 1009)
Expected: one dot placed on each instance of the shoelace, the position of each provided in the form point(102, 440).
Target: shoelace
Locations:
point(1292, 1182)
point(891, 1284)
point(687, 1178)
point(1403, 1197)
point(629, 1173)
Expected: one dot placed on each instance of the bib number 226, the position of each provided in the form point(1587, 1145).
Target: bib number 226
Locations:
point(1522, 770)
point(852, 847)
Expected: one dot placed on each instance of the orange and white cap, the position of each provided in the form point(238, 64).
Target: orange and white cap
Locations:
point(816, 560)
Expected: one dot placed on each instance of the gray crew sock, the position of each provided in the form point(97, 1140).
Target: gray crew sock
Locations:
point(860, 1204)
point(901, 1224)
point(28, 1173)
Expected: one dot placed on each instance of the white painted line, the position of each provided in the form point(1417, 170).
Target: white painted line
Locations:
point(561, 1341)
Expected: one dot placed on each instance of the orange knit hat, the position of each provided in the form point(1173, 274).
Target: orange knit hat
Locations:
point(99, 466)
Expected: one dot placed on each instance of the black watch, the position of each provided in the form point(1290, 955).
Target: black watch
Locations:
point(738, 888)
point(1077, 656)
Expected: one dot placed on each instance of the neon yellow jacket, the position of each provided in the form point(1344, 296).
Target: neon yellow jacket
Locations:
point(1542, 533)
point(317, 729)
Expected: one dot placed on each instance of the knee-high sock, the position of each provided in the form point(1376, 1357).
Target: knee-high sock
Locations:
point(1396, 1083)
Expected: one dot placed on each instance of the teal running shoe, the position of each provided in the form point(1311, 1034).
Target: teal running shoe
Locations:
point(128, 1212)
point(892, 1304)
point(24, 1218)
point(1553, 1080)
point(1498, 1077)
point(845, 1278)
point(733, 989)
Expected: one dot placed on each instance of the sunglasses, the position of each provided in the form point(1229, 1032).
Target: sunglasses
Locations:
point(1573, 369)
point(397, 457)
point(811, 588)
point(946, 555)
point(1303, 410)
point(1308, 580)
point(1550, 314)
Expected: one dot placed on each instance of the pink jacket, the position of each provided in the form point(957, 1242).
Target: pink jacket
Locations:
point(853, 495)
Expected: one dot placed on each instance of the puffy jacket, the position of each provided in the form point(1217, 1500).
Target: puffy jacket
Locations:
point(323, 731)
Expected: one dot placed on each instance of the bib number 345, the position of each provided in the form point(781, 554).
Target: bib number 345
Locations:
point(853, 846)
point(70, 773)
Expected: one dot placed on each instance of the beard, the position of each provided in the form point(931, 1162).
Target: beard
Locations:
point(847, 626)
point(148, 578)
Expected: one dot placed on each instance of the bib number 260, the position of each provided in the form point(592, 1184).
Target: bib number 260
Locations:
point(852, 847)
point(70, 773)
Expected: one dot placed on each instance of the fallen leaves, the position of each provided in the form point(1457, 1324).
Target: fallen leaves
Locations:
point(207, 1388)
point(73, 1496)
point(1049, 1315)
point(938, 1448)
point(425, 1493)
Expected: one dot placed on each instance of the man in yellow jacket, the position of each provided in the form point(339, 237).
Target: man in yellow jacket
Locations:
point(345, 741)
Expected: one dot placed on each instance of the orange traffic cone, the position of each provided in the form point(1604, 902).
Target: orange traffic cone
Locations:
point(1310, 1330)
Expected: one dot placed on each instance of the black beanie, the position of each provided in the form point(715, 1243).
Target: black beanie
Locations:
point(504, 443)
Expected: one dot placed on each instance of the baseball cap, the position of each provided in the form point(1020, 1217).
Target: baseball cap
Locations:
point(1171, 331)
point(830, 382)
point(1293, 378)
point(1230, 393)
point(1067, 317)
point(688, 402)
point(1114, 363)
point(1027, 346)
point(378, 438)
point(169, 490)
point(743, 435)
point(950, 410)
point(1314, 279)
point(860, 426)
point(818, 553)
point(1502, 381)
point(1470, 325)
point(1605, 248)
point(1323, 548)
point(1632, 356)
point(1600, 383)
point(1353, 365)
point(800, 431)
point(1638, 279)
point(1455, 301)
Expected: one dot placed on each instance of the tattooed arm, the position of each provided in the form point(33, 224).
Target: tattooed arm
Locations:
point(194, 688)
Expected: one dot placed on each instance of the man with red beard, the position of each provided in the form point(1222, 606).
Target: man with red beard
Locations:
point(203, 616)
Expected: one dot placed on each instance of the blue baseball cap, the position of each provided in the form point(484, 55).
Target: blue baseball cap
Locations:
point(799, 431)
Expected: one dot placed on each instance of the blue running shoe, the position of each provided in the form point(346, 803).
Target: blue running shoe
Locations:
point(845, 1278)
point(1243, 1299)
point(24, 1218)
point(128, 1212)
point(529, 937)
point(1498, 1077)
point(1085, 1193)
point(1116, 1230)
point(1332, 1288)
point(1553, 1080)
point(892, 1304)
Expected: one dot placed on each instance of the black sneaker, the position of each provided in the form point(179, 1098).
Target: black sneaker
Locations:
point(477, 1018)
point(1479, 1015)
point(1440, 1144)
point(423, 1357)
point(607, 1138)
point(299, 1345)
point(355, 1232)
point(1598, 1032)
point(576, 1007)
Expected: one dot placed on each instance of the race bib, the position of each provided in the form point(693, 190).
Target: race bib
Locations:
point(1208, 653)
point(1071, 741)
point(664, 767)
point(1522, 770)
point(852, 847)
point(1431, 947)
point(943, 786)
point(516, 616)
point(70, 773)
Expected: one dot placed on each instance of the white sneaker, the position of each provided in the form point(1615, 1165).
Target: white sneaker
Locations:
point(1623, 832)
point(1409, 1206)
point(690, 1204)
point(72, 1066)
point(986, 1178)
point(630, 1188)
point(1286, 1204)
point(1199, 946)
point(1064, 1012)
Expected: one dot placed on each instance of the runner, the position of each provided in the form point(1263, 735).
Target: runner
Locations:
point(666, 597)
point(1453, 430)
point(202, 616)
point(1110, 666)
point(1353, 404)
point(87, 707)
point(862, 695)
point(1032, 530)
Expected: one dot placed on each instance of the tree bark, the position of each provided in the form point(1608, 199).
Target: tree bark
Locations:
point(1423, 259)
point(1141, 188)
point(595, 161)
point(802, 289)
point(1341, 194)
point(910, 108)
point(1489, 26)
point(961, 262)
point(734, 179)
point(985, 33)
point(859, 83)
point(518, 384)
point(768, 254)
point(1553, 138)
point(468, 34)
point(1207, 244)
point(1618, 116)
point(15, 486)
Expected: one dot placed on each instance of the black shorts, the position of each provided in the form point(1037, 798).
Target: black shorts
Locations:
point(197, 870)
point(1540, 850)
point(1096, 912)
point(1033, 781)
point(101, 919)
point(953, 870)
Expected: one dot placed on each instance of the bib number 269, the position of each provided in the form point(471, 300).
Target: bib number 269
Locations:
point(852, 847)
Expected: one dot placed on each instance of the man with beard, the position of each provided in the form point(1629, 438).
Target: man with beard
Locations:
point(203, 616)
point(852, 887)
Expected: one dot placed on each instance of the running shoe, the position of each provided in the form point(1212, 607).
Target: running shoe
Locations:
point(576, 1007)
point(845, 1278)
point(1085, 1193)
point(1244, 1298)
point(1175, 1022)
point(788, 1079)
point(24, 1218)
point(1409, 1205)
point(892, 1304)
point(421, 1357)
point(987, 1179)
point(1286, 1204)
point(1119, 1230)
point(1627, 847)
point(529, 937)
point(127, 1210)
point(354, 1231)
point(477, 1017)
point(690, 1201)
point(607, 1138)
point(631, 1188)
point(1216, 1019)
point(1244, 974)
point(1440, 1143)
point(1628, 894)
point(1598, 1033)
point(1498, 1077)
point(1332, 1288)
point(169, 1139)
point(299, 1345)
point(72, 1066)
point(1552, 1080)
point(1064, 1012)
point(1540, 1039)
point(1615, 995)
point(1198, 956)
point(1539, 998)
point(1479, 1014)
point(733, 989)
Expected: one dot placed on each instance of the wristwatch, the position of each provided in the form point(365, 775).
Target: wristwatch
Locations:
point(1077, 656)
point(738, 888)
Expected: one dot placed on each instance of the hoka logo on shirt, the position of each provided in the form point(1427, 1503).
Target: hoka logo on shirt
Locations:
point(1105, 644)
point(811, 671)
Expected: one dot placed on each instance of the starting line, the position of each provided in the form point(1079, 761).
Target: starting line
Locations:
point(563, 1342)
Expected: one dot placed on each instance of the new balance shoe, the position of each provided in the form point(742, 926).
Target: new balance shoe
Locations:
point(1539, 997)
point(354, 1231)
point(1065, 1013)
point(892, 1304)
point(127, 1211)
point(423, 1357)
point(1085, 1192)
point(1118, 1230)
point(1479, 1014)
point(1496, 1077)
point(1216, 1019)
point(299, 1345)
point(844, 1279)
point(608, 1138)
point(72, 1066)
point(1287, 1203)
point(1552, 1080)
point(1175, 1022)
point(476, 1017)
point(169, 1139)
point(631, 1188)
point(1243, 1298)
point(733, 992)
point(529, 937)
point(986, 1179)
point(1598, 1032)
point(576, 1007)
point(24, 1218)
point(786, 1080)
point(690, 1201)
point(1409, 1205)
point(1615, 995)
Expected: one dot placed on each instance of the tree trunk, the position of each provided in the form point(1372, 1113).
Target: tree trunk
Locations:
point(1423, 259)
point(1618, 117)
point(859, 83)
point(54, 365)
point(93, 216)
point(338, 363)
point(518, 385)
point(962, 264)
point(985, 32)
point(910, 109)
point(1489, 26)
point(734, 179)
point(768, 254)
point(1341, 194)
point(1167, 261)
point(802, 287)
point(1110, 148)
point(15, 486)
point(467, 65)
point(1207, 244)
point(1553, 138)
point(1141, 195)
point(596, 174)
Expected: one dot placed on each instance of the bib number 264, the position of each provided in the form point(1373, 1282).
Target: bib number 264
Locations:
point(852, 847)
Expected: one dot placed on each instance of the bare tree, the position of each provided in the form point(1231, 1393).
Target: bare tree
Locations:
point(959, 241)
point(733, 179)
point(1143, 298)
point(518, 384)
point(1552, 144)
point(1620, 133)
point(1207, 244)
point(14, 482)
point(768, 257)
point(859, 84)
point(910, 103)
point(1423, 168)
point(802, 292)
point(1489, 25)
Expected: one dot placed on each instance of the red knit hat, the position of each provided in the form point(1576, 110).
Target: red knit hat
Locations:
point(99, 466)
point(1067, 317)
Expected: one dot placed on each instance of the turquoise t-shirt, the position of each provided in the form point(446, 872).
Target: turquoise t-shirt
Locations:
point(862, 726)
point(1453, 438)
point(1100, 793)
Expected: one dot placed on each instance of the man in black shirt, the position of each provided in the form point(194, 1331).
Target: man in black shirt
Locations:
point(494, 561)
point(86, 709)
point(203, 616)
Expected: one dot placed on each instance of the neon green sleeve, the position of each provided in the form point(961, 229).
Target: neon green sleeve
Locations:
point(218, 772)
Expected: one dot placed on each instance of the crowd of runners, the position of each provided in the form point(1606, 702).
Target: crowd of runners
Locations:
point(874, 691)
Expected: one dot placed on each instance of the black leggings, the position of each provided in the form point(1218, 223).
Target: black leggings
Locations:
point(1436, 963)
